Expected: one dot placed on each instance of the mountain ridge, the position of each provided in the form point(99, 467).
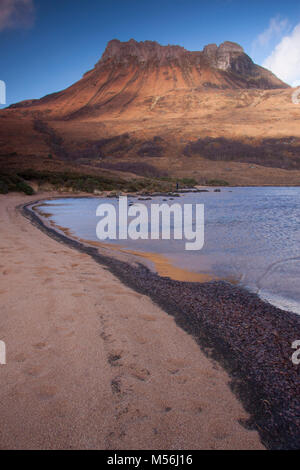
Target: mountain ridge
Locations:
point(175, 110)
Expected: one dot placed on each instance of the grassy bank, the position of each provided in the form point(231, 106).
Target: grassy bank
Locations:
point(25, 180)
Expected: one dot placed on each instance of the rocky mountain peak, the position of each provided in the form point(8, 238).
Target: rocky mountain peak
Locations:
point(229, 56)
point(224, 56)
point(144, 51)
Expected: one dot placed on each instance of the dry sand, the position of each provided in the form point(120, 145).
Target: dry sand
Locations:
point(91, 364)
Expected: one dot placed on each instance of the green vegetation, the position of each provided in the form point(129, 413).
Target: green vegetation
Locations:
point(217, 183)
point(77, 182)
point(74, 181)
point(9, 182)
point(190, 182)
point(183, 182)
point(88, 183)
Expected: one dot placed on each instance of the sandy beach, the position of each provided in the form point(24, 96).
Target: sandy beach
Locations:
point(92, 364)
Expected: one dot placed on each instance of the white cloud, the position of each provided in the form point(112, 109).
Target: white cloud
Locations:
point(16, 13)
point(284, 61)
point(276, 28)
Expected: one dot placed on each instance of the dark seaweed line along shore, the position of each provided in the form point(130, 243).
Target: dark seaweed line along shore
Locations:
point(250, 338)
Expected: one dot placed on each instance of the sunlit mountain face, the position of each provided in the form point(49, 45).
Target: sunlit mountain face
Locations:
point(166, 111)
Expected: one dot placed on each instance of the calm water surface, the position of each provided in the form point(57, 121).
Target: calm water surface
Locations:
point(251, 235)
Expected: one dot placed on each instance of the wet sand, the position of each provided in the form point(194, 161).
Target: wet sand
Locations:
point(94, 364)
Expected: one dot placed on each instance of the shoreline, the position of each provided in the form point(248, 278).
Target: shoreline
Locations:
point(255, 349)
point(163, 266)
point(92, 364)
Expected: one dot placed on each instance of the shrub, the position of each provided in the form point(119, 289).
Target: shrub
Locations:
point(10, 182)
point(3, 187)
point(217, 183)
point(23, 187)
point(187, 182)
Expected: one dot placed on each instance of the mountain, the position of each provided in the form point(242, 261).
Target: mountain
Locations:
point(129, 73)
point(162, 110)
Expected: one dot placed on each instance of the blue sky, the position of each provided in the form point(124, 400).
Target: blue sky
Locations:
point(46, 45)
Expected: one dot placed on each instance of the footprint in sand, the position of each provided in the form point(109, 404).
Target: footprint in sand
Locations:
point(116, 386)
point(20, 357)
point(174, 367)
point(6, 272)
point(106, 337)
point(141, 340)
point(139, 373)
point(114, 358)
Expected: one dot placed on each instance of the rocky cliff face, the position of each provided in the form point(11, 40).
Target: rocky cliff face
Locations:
point(143, 52)
point(231, 57)
point(228, 57)
point(222, 57)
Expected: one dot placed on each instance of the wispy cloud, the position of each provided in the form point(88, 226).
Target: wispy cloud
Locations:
point(277, 27)
point(16, 14)
point(284, 60)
